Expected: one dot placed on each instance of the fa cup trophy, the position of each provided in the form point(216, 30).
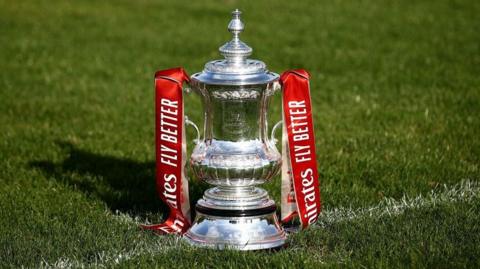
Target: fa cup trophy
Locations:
point(236, 153)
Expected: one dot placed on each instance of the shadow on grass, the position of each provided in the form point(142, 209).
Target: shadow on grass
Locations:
point(124, 185)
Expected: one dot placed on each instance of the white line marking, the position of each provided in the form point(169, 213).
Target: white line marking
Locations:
point(466, 191)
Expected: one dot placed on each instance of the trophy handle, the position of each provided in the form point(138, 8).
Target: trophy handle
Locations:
point(188, 90)
point(276, 87)
point(274, 129)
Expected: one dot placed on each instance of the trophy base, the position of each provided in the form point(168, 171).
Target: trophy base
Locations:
point(251, 229)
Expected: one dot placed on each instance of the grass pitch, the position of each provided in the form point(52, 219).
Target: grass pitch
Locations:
point(396, 94)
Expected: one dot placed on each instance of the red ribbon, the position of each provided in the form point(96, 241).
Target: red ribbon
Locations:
point(298, 122)
point(302, 197)
point(172, 186)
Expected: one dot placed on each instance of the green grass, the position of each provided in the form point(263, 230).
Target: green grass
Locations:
point(396, 94)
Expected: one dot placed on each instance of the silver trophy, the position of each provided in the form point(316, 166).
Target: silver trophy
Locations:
point(236, 154)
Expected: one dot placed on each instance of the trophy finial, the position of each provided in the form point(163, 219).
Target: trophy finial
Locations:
point(236, 25)
point(235, 50)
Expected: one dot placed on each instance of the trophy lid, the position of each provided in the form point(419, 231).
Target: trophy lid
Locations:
point(235, 69)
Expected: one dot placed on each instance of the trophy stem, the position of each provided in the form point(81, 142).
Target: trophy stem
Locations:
point(235, 198)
